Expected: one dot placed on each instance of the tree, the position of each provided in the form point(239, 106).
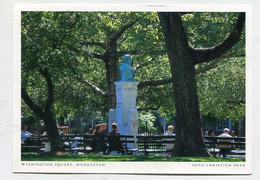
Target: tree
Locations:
point(43, 68)
point(183, 58)
point(119, 34)
point(81, 52)
point(146, 122)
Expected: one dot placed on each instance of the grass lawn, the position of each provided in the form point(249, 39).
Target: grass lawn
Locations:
point(95, 157)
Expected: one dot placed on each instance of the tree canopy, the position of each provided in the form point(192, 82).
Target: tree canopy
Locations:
point(70, 61)
point(69, 45)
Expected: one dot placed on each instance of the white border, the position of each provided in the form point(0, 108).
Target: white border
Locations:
point(127, 167)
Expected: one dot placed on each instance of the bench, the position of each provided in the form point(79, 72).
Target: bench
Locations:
point(157, 144)
point(90, 143)
point(213, 144)
point(153, 144)
point(146, 144)
point(32, 144)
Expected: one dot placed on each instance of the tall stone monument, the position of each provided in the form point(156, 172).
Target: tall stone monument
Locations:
point(125, 114)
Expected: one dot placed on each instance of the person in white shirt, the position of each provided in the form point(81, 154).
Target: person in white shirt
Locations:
point(169, 146)
point(225, 148)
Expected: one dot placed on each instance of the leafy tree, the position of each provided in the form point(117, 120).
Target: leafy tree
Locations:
point(43, 67)
point(183, 58)
point(146, 120)
point(80, 54)
point(222, 90)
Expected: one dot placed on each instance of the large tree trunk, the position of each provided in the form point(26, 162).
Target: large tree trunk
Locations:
point(52, 132)
point(183, 58)
point(49, 122)
point(189, 141)
point(112, 72)
point(46, 113)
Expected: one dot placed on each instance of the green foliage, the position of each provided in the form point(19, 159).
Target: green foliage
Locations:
point(146, 120)
point(222, 90)
point(51, 40)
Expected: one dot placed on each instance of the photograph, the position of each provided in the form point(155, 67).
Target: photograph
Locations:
point(136, 90)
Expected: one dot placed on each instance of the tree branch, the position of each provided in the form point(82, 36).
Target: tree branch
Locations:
point(29, 102)
point(119, 33)
point(138, 66)
point(86, 43)
point(65, 34)
point(172, 26)
point(50, 99)
point(94, 87)
point(98, 56)
point(144, 84)
point(149, 108)
point(237, 102)
point(211, 53)
point(122, 40)
point(134, 52)
point(212, 65)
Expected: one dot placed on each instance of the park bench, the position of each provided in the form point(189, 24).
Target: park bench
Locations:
point(213, 143)
point(153, 144)
point(157, 144)
point(33, 144)
point(78, 143)
point(146, 144)
point(90, 143)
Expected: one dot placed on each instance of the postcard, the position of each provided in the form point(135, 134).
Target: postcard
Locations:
point(132, 89)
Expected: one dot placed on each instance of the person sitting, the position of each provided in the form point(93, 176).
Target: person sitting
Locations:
point(114, 129)
point(25, 135)
point(233, 134)
point(225, 148)
point(62, 129)
point(100, 144)
point(114, 139)
point(211, 133)
point(90, 131)
point(169, 146)
point(104, 127)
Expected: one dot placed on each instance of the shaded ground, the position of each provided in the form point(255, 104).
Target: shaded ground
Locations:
point(95, 157)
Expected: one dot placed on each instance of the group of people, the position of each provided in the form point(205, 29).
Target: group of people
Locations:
point(25, 134)
point(114, 143)
point(212, 133)
point(224, 148)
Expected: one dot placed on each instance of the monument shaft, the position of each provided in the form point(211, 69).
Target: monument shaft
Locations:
point(125, 114)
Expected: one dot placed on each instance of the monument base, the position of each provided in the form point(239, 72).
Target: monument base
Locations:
point(125, 114)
